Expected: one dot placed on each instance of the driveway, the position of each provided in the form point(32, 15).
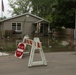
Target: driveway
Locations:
point(59, 63)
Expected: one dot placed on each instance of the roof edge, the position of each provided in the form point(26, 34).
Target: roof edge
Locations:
point(22, 15)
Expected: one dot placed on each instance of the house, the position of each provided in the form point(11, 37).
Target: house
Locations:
point(24, 24)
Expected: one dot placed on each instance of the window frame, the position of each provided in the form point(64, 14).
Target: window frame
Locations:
point(16, 26)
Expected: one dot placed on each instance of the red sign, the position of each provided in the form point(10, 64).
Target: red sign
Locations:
point(20, 50)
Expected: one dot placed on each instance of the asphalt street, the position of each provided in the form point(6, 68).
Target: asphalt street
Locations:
point(59, 63)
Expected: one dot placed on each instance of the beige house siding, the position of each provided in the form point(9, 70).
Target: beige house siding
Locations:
point(29, 28)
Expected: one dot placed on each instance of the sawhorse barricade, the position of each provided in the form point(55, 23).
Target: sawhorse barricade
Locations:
point(36, 45)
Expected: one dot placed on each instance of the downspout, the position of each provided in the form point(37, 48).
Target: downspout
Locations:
point(23, 24)
point(75, 31)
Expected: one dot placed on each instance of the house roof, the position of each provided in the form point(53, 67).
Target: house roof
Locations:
point(41, 21)
point(23, 15)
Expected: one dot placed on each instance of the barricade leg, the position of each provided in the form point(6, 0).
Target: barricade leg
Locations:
point(31, 57)
point(36, 63)
point(43, 56)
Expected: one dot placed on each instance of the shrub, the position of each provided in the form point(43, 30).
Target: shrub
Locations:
point(8, 33)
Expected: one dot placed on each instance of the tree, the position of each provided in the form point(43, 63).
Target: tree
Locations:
point(64, 13)
point(41, 8)
point(3, 18)
point(18, 6)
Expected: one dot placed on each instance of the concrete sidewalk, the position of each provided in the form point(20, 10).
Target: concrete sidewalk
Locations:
point(59, 63)
point(3, 54)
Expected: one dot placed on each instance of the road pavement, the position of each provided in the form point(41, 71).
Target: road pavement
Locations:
point(59, 63)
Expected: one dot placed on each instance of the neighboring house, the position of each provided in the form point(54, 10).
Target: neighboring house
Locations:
point(24, 24)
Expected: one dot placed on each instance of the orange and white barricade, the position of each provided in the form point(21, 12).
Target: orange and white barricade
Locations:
point(36, 45)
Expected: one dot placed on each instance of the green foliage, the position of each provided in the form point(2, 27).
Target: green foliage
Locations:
point(2, 18)
point(64, 13)
point(18, 6)
point(8, 33)
point(42, 8)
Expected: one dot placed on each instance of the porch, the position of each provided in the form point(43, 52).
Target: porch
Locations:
point(40, 28)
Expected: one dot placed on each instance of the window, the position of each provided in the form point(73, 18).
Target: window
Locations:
point(17, 27)
point(13, 26)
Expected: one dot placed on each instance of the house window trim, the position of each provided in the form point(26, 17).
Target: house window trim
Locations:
point(16, 26)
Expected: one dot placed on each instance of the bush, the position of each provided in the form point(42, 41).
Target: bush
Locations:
point(8, 33)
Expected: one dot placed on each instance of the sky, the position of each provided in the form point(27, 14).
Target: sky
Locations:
point(6, 8)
